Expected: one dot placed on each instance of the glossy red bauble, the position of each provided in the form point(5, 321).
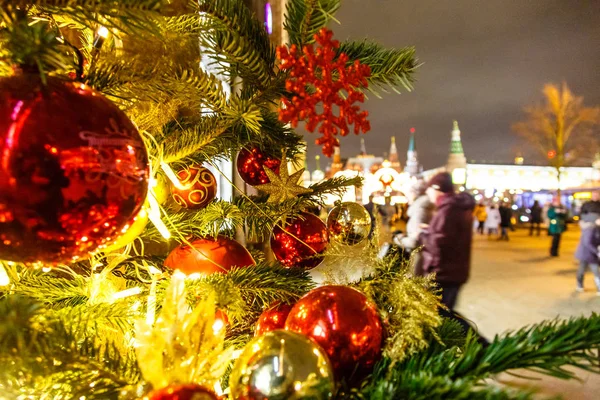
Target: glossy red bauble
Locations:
point(272, 318)
point(301, 242)
point(189, 391)
point(207, 256)
point(344, 323)
point(200, 188)
point(250, 165)
point(73, 170)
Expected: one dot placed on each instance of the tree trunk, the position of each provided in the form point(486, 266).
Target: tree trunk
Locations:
point(558, 176)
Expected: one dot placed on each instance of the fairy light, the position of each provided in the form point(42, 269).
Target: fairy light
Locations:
point(100, 37)
point(4, 278)
point(154, 216)
point(218, 325)
point(127, 293)
point(151, 307)
point(173, 177)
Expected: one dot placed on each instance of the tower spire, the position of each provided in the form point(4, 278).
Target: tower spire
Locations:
point(393, 156)
point(456, 144)
point(363, 148)
point(457, 158)
point(337, 164)
point(412, 163)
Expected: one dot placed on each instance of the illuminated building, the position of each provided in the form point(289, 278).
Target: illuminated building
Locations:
point(515, 182)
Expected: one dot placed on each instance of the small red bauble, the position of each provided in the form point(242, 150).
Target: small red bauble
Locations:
point(207, 256)
point(272, 318)
point(250, 165)
point(200, 188)
point(73, 170)
point(301, 242)
point(344, 323)
point(189, 391)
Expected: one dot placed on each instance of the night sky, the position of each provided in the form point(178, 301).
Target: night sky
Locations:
point(482, 62)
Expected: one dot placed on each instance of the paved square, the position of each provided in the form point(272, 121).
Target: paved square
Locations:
point(516, 283)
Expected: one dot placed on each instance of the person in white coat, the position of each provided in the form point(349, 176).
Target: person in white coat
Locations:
point(493, 220)
point(419, 214)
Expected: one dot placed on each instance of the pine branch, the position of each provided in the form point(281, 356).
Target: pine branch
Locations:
point(240, 41)
point(216, 218)
point(127, 16)
point(304, 18)
point(332, 187)
point(390, 68)
point(49, 288)
point(423, 385)
point(33, 47)
point(179, 144)
point(42, 354)
point(546, 348)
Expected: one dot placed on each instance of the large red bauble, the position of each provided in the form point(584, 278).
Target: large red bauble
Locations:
point(272, 318)
point(201, 187)
point(189, 391)
point(344, 323)
point(301, 242)
point(250, 165)
point(73, 170)
point(207, 256)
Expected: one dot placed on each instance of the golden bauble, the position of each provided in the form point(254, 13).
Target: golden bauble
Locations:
point(282, 365)
point(349, 223)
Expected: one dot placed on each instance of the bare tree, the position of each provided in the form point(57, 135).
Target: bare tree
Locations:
point(561, 129)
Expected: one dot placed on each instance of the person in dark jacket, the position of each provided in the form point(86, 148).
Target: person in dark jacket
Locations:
point(447, 239)
point(536, 218)
point(505, 217)
point(557, 215)
point(592, 206)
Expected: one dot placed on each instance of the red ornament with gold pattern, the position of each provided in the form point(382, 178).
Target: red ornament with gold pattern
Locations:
point(344, 323)
point(272, 318)
point(73, 170)
point(199, 187)
point(190, 391)
point(251, 164)
point(301, 242)
point(208, 256)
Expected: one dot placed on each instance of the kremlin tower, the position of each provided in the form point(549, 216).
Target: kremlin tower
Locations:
point(393, 157)
point(412, 163)
point(337, 165)
point(457, 158)
point(457, 162)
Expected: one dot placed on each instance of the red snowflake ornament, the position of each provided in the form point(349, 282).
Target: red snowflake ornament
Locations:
point(317, 76)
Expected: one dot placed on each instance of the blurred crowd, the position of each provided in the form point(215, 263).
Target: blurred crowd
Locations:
point(440, 224)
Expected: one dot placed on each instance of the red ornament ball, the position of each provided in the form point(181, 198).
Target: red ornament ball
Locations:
point(200, 188)
point(73, 170)
point(344, 323)
point(207, 256)
point(301, 242)
point(189, 391)
point(250, 165)
point(272, 318)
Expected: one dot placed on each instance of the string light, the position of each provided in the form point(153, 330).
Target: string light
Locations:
point(154, 216)
point(173, 177)
point(100, 37)
point(4, 278)
point(127, 293)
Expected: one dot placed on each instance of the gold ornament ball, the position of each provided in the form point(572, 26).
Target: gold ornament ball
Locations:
point(134, 230)
point(282, 365)
point(349, 223)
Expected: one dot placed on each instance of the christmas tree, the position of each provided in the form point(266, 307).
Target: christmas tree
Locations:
point(125, 276)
